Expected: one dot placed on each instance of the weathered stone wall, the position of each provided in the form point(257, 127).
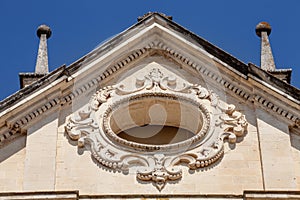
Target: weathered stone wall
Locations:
point(278, 162)
point(268, 157)
point(50, 161)
point(12, 162)
point(42, 157)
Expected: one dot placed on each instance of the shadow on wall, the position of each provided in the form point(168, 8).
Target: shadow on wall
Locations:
point(19, 143)
point(281, 126)
point(295, 140)
point(12, 148)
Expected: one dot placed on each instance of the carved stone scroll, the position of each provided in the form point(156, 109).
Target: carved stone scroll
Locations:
point(96, 126)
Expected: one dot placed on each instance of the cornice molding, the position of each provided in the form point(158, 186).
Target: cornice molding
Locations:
point(75, 195)
point(14, 127)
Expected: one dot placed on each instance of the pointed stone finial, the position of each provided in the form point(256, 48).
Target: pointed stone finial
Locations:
point(263, 30)
point(41, 67)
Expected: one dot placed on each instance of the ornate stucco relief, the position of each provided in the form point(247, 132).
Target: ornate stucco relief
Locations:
point(119, 107)
point(15, 124)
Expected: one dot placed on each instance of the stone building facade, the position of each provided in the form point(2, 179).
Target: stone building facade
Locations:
point(155, 112)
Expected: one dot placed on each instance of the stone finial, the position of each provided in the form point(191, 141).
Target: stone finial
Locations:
point(263, 27)
point(263, 30)
point(41, 67)
point(44, 29)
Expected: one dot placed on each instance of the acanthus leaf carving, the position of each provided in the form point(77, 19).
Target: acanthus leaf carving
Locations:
point(79, 127)
point(160, 172)
point(100, 97)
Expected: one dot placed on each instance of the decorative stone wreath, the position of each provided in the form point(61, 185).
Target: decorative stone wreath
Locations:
point(115, 109)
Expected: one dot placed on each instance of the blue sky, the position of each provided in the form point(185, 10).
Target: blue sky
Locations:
point(79, 26)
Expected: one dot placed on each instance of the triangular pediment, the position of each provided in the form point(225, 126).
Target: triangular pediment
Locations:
point(155, 38)
point(89, 126)
point(152, 38)
point(156, 43)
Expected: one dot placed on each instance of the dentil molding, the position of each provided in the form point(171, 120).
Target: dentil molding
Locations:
point(15, 125)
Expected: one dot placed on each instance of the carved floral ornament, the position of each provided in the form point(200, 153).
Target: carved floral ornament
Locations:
point(157, 100)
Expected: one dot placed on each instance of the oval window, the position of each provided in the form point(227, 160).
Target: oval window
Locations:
point(155, 120)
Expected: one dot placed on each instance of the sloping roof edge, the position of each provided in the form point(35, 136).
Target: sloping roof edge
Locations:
point(210, 48)
point(26, 91)
point(274, 81)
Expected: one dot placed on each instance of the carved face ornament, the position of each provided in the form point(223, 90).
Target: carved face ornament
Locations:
point(156, 100)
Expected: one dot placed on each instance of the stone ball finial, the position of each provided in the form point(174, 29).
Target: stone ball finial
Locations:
point(43, 29)
point(263, 27)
